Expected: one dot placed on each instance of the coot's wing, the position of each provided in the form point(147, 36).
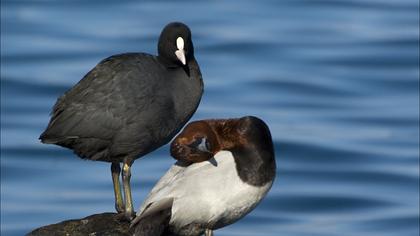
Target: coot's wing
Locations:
point(107, 99)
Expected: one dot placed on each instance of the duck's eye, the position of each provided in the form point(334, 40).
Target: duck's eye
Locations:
point(208, 147)
point(204, 145)
point(201, 143)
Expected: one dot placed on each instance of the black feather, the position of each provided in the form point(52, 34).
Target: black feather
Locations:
point(128, 105)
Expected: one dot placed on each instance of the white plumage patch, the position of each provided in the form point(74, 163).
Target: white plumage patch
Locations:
point(205, 193)
point(202, 146)
point(180, 43)
point(180, 53)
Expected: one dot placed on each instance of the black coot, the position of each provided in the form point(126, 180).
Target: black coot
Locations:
point(129, 105)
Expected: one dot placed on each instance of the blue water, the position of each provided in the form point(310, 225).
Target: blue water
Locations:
point(336, 81)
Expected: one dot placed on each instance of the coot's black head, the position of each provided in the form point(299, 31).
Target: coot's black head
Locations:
point(175, 46)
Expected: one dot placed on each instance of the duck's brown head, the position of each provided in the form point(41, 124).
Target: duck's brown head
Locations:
point(201, 140)
point(247, 138)
point(196, 143)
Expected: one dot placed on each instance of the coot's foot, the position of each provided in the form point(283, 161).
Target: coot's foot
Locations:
point(129, 216)
point(125, 217)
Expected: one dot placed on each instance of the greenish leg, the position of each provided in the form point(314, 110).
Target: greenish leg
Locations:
point(209, 232)
point(126, 176)
point(116, 170)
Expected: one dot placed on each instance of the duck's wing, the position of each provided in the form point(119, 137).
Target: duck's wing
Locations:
point(179, 179)
point(164, 187)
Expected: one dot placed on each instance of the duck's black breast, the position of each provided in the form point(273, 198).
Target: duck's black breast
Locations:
point(124, 107)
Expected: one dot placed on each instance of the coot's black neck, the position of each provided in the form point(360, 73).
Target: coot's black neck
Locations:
point(186, 89)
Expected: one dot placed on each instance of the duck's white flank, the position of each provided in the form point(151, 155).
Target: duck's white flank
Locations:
point(207, 193)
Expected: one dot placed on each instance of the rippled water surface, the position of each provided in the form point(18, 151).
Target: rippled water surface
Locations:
point(336, 81)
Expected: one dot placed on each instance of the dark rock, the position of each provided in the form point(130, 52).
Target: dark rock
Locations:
point(104, 224)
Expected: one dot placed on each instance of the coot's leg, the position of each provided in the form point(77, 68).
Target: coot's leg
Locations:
point(209, 232)
point(126, 175)
point(116, 170)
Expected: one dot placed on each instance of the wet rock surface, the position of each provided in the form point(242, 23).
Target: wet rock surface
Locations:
point(104, 224)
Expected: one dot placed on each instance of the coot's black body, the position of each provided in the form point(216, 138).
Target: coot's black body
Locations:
point(127, 106)
point(130, 104)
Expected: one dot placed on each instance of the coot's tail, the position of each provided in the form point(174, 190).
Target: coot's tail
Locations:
point(46, 138)
point(154, 220)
